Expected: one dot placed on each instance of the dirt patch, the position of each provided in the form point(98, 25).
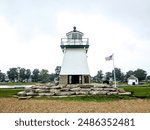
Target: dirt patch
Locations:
point(9, 105)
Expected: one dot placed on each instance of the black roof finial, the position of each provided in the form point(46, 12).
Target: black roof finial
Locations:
point(74, 28)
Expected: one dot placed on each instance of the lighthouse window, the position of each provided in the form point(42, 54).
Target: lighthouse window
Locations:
point(74, 36)
point(69, 36)
point(79, 36)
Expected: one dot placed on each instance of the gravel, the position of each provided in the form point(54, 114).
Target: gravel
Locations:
point(13, 105)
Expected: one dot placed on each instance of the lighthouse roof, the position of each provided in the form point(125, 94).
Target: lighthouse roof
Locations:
point(74, 31)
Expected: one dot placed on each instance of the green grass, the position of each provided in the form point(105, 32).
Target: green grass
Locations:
point(8, 92)
point(138, 91)
point(96, 98)
point(17, 83)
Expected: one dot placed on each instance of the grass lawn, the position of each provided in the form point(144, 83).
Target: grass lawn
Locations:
point(137, 92)
point(95, 98)
point(8, 92)
point(17, 83)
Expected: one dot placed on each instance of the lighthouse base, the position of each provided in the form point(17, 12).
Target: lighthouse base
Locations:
point(74, 79)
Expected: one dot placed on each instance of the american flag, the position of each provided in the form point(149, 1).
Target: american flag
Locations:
point(109, 58)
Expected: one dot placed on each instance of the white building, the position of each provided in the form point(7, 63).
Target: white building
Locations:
point(132, 80)
point(74, 69)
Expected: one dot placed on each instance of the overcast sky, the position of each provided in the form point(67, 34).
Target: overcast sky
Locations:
point(31, 30)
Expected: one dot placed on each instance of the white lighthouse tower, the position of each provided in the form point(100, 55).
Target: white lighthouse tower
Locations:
point(74, 69)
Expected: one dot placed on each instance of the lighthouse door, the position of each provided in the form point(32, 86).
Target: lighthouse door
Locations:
point(74, 79)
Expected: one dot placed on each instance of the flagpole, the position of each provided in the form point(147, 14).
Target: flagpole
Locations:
point(114, 70)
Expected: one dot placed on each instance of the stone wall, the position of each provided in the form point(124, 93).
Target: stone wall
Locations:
point(70, 90)
point(63, 79)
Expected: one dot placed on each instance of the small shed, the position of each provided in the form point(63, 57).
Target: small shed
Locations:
point(132, 80)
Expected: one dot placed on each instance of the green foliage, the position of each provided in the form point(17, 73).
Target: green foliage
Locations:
point(140, 74)
point(13, 74)
point(35, 75)
point(128, 74)
point(44, 76)
point(28, 74)
point(52, 77)
point(119, 75)
point(22, 74)
point(7, 92)
point(148, 77)
point(108, 75)
point(98, 78)
point(2, 76)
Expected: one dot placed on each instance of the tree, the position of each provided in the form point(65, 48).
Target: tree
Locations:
point(108, 75)
point(98, 78)
point(22, 75)
point(148, 78)
point(2, 76)
point(13, 74)
point(52, 77)
point(44, 76)
point(119, 74)
point(35, 75)
point(140, 74)
point(28, 74)
point(128, 74)
point(122, 77)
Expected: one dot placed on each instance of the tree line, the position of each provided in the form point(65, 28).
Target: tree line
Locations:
point(26, 75)
point(19, 74)
point(120, 76)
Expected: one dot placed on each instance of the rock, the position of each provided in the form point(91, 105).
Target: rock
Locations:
point(72, 86)
point(97, 89)
point(85, 85)
point(28, 89)
point(31, 94)
point(81, 92)
point(65, 89)
point(98, 92)
point(46, 94)
point(41, 90)
point(75, 89)
point(40, 87)
point(86, 89)
point(65, 93)
point(63, 85)
point(110, 89)
point(106, 86)
point(121, 90)
point(98, 85)
point(22, 93)
point(54, 90)
point(71, 89)
point(23, 98)
point(112, 93)
point(126, 93)
point(56, 87)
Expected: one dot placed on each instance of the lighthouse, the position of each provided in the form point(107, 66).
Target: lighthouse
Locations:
point(74, 69)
